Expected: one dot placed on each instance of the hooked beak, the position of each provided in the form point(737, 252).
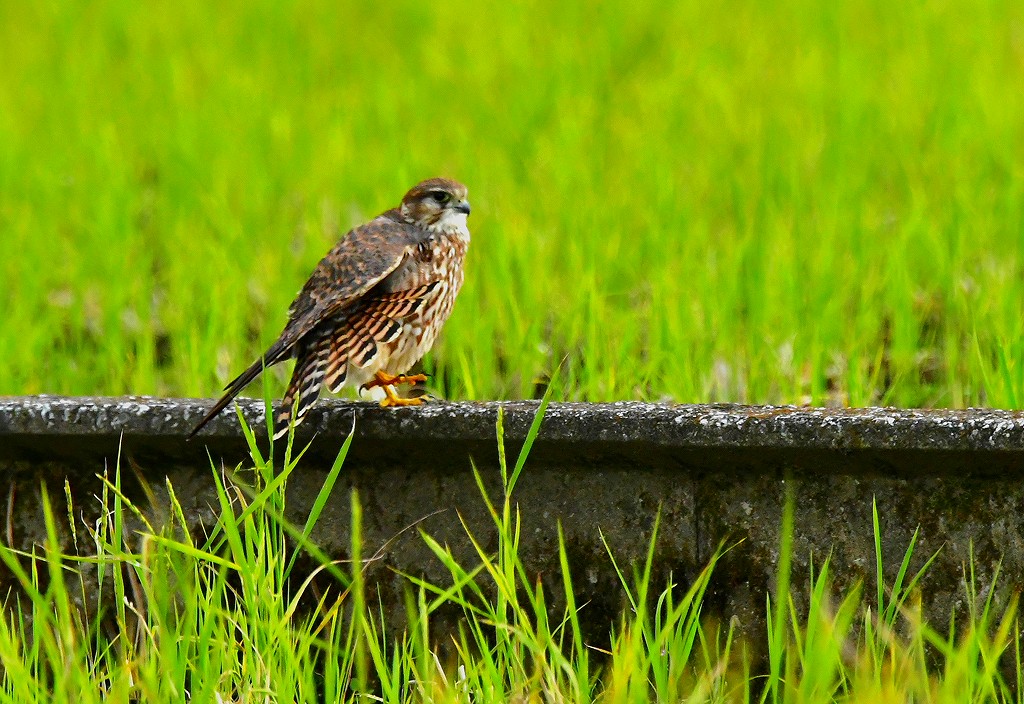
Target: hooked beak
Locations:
point(463, 207)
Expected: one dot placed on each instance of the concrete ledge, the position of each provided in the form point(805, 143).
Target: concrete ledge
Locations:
point(938, 442)
point(679, 426)
point(716, 472)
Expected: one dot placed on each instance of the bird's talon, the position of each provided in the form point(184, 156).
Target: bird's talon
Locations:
point(393, 399)
point(383, 379)
point(396, 401)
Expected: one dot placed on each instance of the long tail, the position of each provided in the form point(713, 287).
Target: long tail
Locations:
point(279, 351)
point(230, 391)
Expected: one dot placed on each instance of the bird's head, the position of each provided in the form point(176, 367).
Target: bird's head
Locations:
point(437, 204)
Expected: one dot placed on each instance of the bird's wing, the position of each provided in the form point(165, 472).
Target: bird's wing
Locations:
point(362, 259)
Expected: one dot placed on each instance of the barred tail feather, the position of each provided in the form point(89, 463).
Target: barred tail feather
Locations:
point(307, 380)
point(337, 361)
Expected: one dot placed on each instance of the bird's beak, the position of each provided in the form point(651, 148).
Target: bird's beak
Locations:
point(463, 207)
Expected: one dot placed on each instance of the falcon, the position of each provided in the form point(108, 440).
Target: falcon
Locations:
point(372, 307)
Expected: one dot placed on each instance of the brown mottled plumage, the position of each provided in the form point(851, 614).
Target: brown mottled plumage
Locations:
point(373, 306)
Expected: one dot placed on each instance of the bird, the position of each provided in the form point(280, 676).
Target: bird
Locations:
point(372, 307)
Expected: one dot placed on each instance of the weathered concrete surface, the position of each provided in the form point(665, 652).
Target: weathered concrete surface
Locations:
point(716, 472)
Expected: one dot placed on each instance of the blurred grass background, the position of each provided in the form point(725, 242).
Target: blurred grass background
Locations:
point(786, 201)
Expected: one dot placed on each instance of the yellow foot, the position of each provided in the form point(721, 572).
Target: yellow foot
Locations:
point(384, 379)
point(393, 399)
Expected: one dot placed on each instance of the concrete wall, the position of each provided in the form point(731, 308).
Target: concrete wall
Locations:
point(716, 472)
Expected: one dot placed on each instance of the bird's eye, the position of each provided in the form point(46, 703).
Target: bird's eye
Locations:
point(440, 196)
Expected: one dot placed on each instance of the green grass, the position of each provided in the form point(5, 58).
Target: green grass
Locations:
point(784, 201)
point(224, 618)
